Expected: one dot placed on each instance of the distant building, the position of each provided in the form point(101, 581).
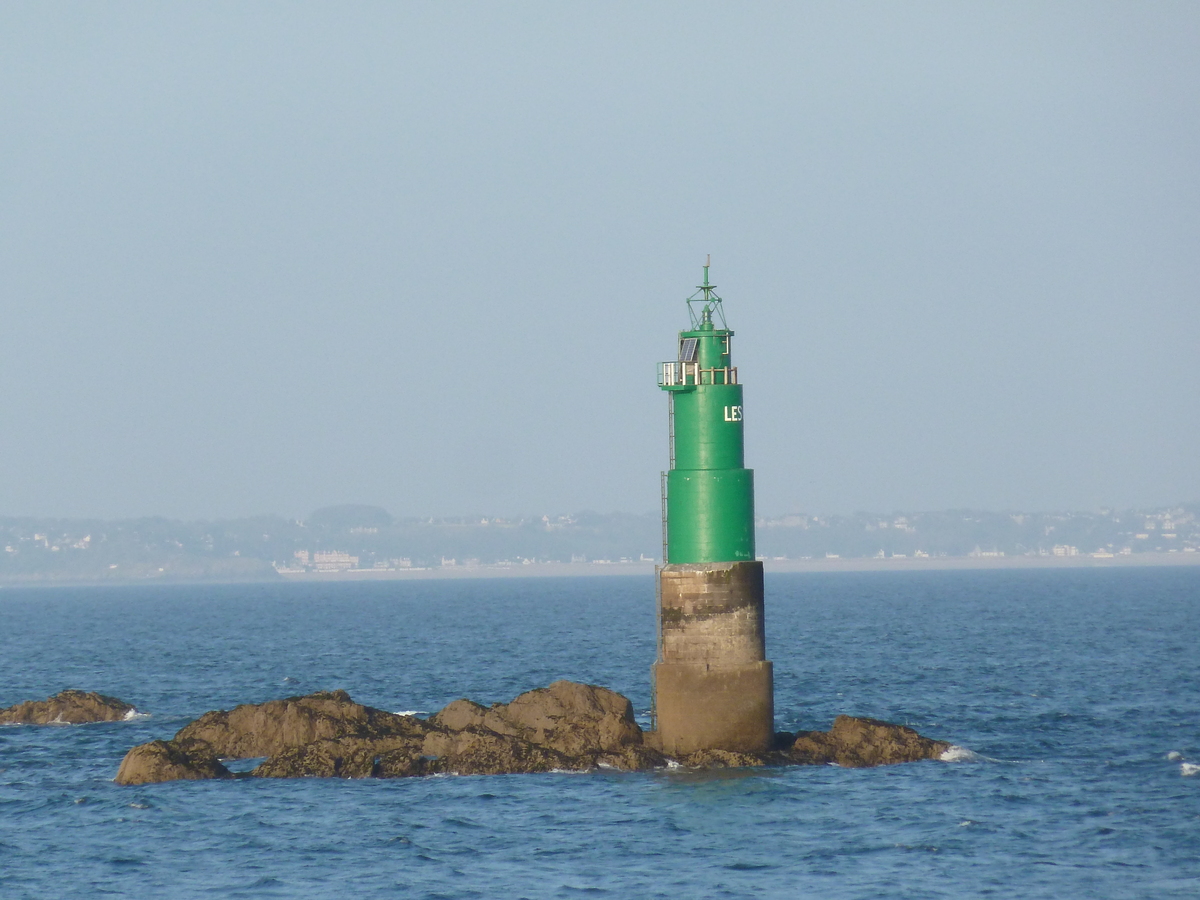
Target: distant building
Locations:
point(334, 561)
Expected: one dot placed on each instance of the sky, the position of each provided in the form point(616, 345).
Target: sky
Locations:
point(264, 258)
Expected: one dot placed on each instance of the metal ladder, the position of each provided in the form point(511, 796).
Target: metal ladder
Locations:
point(658, 638)
point(671, 428)
point(662, 483)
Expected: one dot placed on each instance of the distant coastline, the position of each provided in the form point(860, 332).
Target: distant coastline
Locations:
point(363, 543)
point(646, 569)
point(852, 564)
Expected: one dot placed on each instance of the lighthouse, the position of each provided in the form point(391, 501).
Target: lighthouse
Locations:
point(713, 684)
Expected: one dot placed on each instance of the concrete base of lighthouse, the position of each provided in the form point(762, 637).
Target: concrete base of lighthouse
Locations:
point(713, 686)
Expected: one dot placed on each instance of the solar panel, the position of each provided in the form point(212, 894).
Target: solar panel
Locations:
point(687, 349)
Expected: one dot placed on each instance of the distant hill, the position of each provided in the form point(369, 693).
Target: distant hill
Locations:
point(349, 517)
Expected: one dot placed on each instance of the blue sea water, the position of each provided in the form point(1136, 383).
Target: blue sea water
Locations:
point(1072, 687)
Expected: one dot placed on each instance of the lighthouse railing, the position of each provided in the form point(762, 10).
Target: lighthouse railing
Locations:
point(676, 373)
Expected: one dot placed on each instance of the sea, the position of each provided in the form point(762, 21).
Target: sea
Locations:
point(1074, 696)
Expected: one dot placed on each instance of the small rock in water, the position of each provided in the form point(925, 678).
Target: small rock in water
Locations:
point(68, 707)
point(857, 743)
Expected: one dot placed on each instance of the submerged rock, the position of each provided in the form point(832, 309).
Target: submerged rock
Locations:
point(67, 708)
point(565, 727)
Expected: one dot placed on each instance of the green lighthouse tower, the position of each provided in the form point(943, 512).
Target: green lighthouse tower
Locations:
point(712, 682)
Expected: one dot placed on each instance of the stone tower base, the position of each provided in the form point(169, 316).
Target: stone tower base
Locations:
point(723, 708)
point(713, 686)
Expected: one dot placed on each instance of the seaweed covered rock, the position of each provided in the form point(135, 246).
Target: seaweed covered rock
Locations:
point(726, 759)
point(264, 729)
point(167, 761)
point(68, 707)
point(566, 726)
point(380, 757)
point(563, 727)
point(856, 743)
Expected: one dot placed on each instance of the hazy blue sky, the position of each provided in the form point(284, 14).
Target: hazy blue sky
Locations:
point(267, 257)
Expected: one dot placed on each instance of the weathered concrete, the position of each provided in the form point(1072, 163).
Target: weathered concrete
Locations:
point(712, 682)
point(714, 707)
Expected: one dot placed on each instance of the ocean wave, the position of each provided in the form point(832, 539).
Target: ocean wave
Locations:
point(1174, 756)
point(1186, 769)
point(959, 754)
point(134, 715)
point(411, 712)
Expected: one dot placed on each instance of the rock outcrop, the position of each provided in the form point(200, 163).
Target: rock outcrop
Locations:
point(67, 708)
point(566, 726)
point(570, 718)
point(856, 743)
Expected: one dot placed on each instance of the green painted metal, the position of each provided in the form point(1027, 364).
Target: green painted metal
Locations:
point(708, 427)
point(710, 493)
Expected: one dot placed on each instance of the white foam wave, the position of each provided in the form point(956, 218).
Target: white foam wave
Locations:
point(958, 754)
point(411, 712)
point(133, 714)
point(1174, 756)
point(1186, 769)
point(673, 764)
